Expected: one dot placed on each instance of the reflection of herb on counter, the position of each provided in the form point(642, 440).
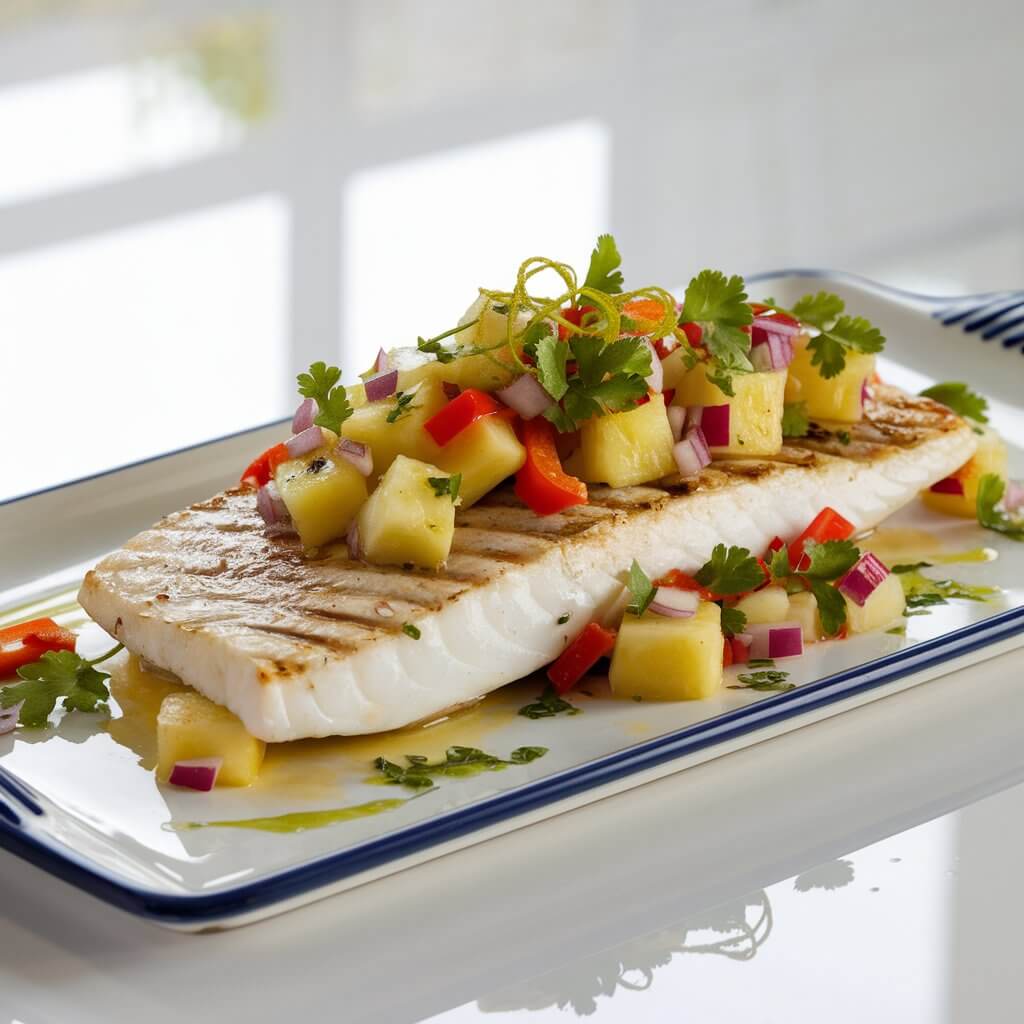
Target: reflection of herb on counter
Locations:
point(735, 930)
point(548, 705)
point(458, 761)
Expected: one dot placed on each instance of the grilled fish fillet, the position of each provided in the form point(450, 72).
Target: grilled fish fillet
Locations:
point(299, 648)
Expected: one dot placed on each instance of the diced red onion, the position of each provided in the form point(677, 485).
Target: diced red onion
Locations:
point(302, 444)
point(9, 718)
point(303, 418)
point(777, 325)
point(198, 773)
point(526, 396)
point(778, 640)
point(865, 394)
point(674, 603)
point(656, 379)
point(270, 504)
point(677, 421)
point(713, 420)
point(1013, 496)
point(352, 539)
point(863, 579)
point(380, 364)
point(384, 385)
point(950, 485)
point(774, 354)
point(691, 454)
point(358, 454)
point(451, 390)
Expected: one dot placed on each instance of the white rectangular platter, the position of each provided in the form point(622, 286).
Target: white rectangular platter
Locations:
point(80, 800)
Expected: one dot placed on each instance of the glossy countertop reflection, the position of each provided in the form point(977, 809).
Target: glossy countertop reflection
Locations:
point(864, 867)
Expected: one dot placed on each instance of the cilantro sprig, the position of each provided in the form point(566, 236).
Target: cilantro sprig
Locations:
point(433, 346)
point(458, 761)
point(607, 377)
point(718, 305)
point(57, 675)
point(991, 489)
point(826, 562)
point(795, 422)
point(603, 274)
point(402, 407)
point(443, 485)
point(321, 384)
point(960, 398)
point(840, 334)
point(730, 571)
point(641, 589)
point(772, 680)
point(549, 705)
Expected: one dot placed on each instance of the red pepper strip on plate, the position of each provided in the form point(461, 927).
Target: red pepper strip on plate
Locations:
point(542, 484)
point(261, 469)
point(580, 656)
point(448, 422)
point(828, 524)
point(28, 641)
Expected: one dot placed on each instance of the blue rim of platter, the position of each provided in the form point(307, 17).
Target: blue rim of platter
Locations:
point(324, 871)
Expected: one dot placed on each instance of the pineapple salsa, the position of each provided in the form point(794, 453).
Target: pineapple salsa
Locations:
point(586, 383)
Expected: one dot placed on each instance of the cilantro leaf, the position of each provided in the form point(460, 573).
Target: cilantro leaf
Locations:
point(991, 488)
point(831, 606)
point(443, 354)
point(550, 356)
point(765, 680)
point(818, 310)
point(848, 334)
point(321, 384)
point(56, 675)
point(458, 761)
point(730, 570)
point(733, 621)
point(794, 419)
point(403, 400)
point(828, 561)
point(535, 334)
point(719, 305)
point(640, 588)
point(960, 398)
point(608, 378)
point(548, 705)
point(443, 485)
point(780, 566)
point(604, 275)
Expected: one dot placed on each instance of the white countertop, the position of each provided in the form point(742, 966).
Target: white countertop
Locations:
point(862, 867)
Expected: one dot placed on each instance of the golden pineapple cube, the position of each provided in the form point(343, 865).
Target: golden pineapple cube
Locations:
point(190, 726)
point(406, 521)
point(485, 453)
point(765, 606)
point(626, 448)
point(402, 435)
point(803, 609)
point(323, 493)
point(989, 457)
point(662, 658)
point(837, 398)
point(755, 411)
point(884, 607)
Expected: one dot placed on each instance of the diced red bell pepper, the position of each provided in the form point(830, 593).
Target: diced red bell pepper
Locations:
point(580, 656)
point(740, 651)
point(542, 484)
point(575, 315)
point(669, 394)
point(776, 544)
point(28, 641)
point(683, 581)
point(665, 346)
point(827, 525)
point(693, 332)
point(262, 468)
point(950, 485)
point(449, 421)
point(727, 654)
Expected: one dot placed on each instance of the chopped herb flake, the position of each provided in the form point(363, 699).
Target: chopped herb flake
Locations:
point(410, 630)
point(458, 761)
point(548, 705)
point(764, 681)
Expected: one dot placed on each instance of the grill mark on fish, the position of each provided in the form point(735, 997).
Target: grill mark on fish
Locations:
point(313, 640)
point(372, 621)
